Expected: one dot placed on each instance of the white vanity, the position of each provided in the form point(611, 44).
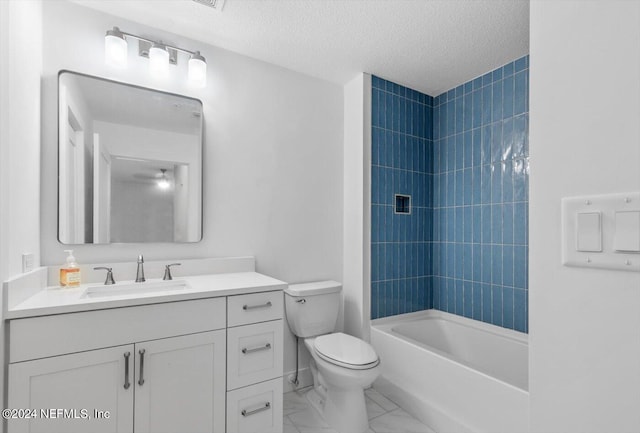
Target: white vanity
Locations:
point(204, 357)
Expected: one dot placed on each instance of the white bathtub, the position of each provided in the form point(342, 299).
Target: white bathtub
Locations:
point(454, 374)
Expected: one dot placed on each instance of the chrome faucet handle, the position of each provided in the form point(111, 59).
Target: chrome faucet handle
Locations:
point(167, 271)
point(140, 271)
point(109, 280)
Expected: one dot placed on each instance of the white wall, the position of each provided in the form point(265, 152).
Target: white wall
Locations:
point(272, 154)
point(585, 139)
point(20, 69)
point(357, 192)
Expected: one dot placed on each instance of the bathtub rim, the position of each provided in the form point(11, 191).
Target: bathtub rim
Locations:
point(386, 324)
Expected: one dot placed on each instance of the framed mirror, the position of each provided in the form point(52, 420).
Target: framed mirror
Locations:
point(129, 163)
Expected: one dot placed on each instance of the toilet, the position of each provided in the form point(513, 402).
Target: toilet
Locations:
point(342, 365)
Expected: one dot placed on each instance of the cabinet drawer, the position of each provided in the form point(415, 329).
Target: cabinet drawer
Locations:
point(255, 307)
point(254, 353)
point(40, 337)
point(255, 408)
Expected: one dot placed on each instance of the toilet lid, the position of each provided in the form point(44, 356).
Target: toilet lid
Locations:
point(346, 350)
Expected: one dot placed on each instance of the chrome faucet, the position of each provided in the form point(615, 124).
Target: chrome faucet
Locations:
point(167, 271)
point(109, 280)
point(140, 271)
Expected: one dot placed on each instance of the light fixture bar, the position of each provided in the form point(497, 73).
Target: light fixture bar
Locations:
point(151, 42)
point(160, 55)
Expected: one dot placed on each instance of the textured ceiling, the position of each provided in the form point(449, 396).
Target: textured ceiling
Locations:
point(428, 45)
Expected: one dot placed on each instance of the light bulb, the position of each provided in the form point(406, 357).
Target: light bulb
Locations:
point(159, 61)
point(115, 48)
point(197, 70)
point(164, 184)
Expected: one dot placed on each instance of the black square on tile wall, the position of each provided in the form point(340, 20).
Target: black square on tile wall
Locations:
point(402, 204)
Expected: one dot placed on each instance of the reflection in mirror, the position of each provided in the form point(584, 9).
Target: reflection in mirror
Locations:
point(130, 163)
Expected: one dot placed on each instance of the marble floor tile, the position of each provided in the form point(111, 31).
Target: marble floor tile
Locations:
point(373, 408)
point(382, 401)
point(384, 415)
point(288, 427)
point(318, 430)
point(295, 401)
point(398, 421)
point(308, 420)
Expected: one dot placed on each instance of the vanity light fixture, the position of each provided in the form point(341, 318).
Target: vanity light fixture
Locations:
point(197, 70)
point(159, 60)
point(160, 56)
point(115, 48)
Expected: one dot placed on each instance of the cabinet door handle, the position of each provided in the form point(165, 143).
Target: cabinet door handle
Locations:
point(127, 384)
point(256, 349)
point(246, 412)
point(141, 380)
point(253, 307)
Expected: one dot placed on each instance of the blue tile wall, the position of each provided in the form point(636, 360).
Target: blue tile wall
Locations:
point(480, 197)
point(401, 163)
point(463, 156)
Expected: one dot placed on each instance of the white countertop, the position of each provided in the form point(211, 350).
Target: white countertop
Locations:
point(57, 300)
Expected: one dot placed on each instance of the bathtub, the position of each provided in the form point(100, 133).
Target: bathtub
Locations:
point(454, 374)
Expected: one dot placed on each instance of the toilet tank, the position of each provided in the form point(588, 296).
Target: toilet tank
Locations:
point(312, 308)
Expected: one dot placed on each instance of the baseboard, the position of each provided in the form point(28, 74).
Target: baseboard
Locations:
point(435, 418)
point(304, 379)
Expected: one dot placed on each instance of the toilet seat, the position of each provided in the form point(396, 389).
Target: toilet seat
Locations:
point(345, 351)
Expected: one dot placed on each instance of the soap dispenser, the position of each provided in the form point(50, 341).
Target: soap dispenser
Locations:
point(70, 272)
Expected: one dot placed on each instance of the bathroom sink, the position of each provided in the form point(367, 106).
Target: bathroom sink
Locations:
point(135, 288)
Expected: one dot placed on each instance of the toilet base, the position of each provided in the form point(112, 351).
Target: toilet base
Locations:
point(338, 393)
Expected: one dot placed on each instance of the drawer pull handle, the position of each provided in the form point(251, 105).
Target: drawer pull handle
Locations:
point(256, 349)
point(253, 307)
point(127, 384)
point(141, 381)
point(266, 406)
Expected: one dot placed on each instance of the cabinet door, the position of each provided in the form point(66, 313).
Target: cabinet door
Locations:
point(86, 381)
point(180, 384)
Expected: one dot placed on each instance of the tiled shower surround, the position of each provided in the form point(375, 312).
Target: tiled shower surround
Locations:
point(475, 213)
point(401, 163)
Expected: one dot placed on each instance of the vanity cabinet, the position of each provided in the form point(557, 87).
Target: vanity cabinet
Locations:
point(174, 384)
point(153, 384)
point(205, 365)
